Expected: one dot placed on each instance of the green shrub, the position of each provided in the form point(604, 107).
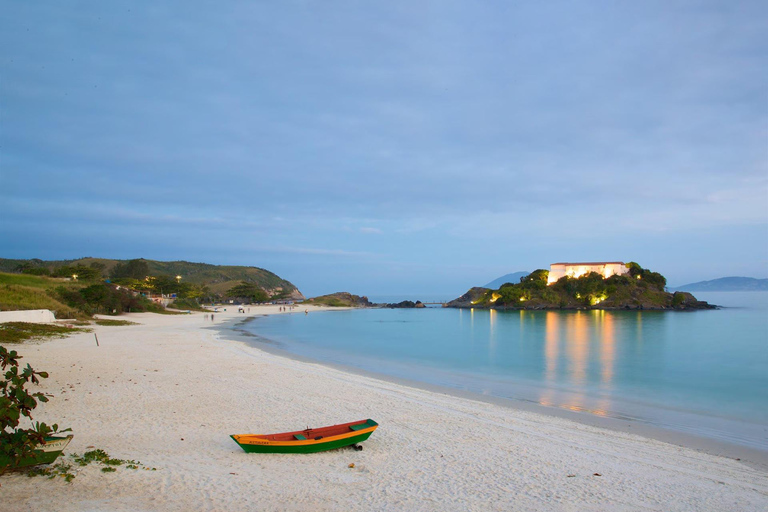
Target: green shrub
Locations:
point(104, 299)
point(18, 332)
point(98, 457)
point(248, 291)
point(17, 402)
point(19, 297)
point(36, 271)
point(186, 304)
point(114, 323)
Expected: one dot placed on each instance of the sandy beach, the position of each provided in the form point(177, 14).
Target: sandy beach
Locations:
point(168, 392)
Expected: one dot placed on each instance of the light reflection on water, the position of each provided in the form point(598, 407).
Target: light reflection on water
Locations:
point(703, 371)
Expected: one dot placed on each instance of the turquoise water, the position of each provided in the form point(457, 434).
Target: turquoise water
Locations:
point(703, 372)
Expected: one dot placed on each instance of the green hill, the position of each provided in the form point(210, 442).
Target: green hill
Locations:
point(20, 292)
point(217, 278)
point(340, 299)
point(70, 298)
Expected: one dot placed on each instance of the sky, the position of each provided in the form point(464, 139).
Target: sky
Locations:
point(393, 147)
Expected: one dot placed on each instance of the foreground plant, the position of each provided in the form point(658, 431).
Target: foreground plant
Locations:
point(16, 402)
point(18, 332)
point(65, 469)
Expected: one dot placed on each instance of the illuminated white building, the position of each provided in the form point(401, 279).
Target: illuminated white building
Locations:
point(604, 268)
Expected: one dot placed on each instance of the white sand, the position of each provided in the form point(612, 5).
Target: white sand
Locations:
point(169, 392)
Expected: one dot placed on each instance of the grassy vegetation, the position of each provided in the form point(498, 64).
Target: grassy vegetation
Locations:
point(63, 468)
point(114, 323)
point(340, 300)
point(25, 280)
point(186, 304)
point(332, 302)
point(21, 291)
point(215, 280)
point(18, 297)
point(19, 332)
point(69, 298)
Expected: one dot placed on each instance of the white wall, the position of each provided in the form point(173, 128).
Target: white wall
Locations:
point(35, 316)
point(579, 269)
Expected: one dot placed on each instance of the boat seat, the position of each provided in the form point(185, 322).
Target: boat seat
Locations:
point(299, 437)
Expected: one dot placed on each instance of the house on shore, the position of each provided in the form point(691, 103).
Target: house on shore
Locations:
point(604, 268)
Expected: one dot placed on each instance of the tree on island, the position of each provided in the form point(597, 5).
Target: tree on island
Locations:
point(639, 288)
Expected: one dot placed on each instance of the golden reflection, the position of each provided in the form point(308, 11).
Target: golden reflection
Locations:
point(578, 346)
point(551, 342)
point(581, 329)
point(607, 347)
point(547, 399)
point(492, 319)
point(602, 407)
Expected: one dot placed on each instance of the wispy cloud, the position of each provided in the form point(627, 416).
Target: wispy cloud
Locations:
point(441, 132)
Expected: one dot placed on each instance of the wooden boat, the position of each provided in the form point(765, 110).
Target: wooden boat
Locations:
point(43, 453)
point(309, 440)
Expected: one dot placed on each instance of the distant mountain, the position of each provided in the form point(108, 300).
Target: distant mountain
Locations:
point(509, 278)
point(727, 284)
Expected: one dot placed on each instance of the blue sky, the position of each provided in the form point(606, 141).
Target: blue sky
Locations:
point(389, 147)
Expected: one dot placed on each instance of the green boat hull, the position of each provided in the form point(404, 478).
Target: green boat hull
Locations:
point(311, 448)
point(56, 445)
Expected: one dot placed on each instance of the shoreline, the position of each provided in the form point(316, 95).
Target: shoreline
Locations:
point(749, 455)
point(168, 391)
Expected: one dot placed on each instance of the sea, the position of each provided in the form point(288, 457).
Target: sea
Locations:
point(699, 372)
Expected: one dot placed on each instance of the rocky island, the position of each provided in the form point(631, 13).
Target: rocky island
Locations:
point(340, 300)
point(632, 287)
point(348, 300)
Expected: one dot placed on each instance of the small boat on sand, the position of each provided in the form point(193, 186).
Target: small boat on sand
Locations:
point(309, 440)
point(44, 453)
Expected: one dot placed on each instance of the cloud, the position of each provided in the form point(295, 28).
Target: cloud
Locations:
point(437, 129)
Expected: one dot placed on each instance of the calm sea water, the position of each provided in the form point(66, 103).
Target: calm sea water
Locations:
point(703, 372)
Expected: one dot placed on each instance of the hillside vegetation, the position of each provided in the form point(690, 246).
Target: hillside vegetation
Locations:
point(69, 298)
point(196, 280)
point(340, 299)
point(640, 289)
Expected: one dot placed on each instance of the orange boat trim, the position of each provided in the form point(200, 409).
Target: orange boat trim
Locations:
point(256, 439)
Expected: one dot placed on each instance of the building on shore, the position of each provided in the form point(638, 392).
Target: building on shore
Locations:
point(604, 268)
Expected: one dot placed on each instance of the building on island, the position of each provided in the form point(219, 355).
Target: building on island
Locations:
point(604, 268)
